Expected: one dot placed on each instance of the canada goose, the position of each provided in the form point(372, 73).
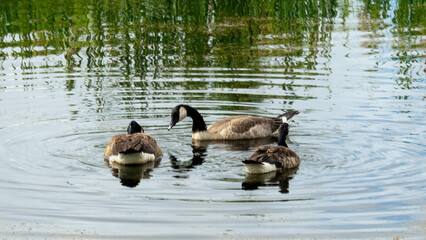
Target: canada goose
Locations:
point(229, 128)
point(135, 147)
point(273, 158)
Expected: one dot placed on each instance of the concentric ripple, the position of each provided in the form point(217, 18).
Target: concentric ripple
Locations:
point(355, 71)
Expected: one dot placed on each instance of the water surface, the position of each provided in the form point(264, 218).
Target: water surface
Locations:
point(74, 74)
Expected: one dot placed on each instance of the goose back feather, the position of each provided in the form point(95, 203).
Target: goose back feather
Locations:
point(243, 127)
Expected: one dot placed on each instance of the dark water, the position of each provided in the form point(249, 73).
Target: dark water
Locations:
point(74, 73)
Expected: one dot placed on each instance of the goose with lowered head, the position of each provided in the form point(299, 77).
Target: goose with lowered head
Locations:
point(229, 128)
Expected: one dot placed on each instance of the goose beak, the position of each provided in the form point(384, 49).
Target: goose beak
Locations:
point(172, 124)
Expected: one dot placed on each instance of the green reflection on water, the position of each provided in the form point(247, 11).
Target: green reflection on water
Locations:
point(153, 39)
point(144, 36)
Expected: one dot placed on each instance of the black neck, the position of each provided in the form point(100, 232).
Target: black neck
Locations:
point(283, 135)
point(134, 127)
point(281, 141)
point(198, 123)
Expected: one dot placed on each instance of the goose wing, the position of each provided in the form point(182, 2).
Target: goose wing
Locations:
point(286, 157)
point(131, 143)
point(250, 125)
point(259, 154)
point(243, 125)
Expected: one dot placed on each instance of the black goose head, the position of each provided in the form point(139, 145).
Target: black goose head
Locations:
point(178, 114)
point(134, 127)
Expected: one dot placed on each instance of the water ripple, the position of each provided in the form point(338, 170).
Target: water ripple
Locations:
point(67, 86)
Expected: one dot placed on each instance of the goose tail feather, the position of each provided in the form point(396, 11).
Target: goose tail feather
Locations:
point(288, 115)
point(251, 162)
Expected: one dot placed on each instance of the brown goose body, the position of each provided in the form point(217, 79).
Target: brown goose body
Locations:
point(273, 158)
point(134, 148)
point(229, 128)
point(241, 127)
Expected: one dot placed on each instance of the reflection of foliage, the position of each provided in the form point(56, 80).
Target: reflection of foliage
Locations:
point(410, 25)
point(194, 41)
point(404, 83)
point(409, 20)
point(377, 9)
point(157, 39)
point(410, 14)
point(142, 36)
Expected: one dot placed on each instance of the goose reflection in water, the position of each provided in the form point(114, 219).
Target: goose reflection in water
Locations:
point(130, 175)
point(198, 157)
point(199, 149)
point(279, 178)
point(234, 145)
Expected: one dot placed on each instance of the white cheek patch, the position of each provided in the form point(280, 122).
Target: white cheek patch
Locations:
point(285, 120)
point(182, 113)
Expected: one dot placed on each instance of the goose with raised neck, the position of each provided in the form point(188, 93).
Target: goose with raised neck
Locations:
point(268, 158)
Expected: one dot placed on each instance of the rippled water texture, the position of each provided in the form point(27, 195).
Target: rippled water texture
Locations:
point(74, 73)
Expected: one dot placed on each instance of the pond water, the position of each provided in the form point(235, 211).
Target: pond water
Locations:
point(75, 73)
